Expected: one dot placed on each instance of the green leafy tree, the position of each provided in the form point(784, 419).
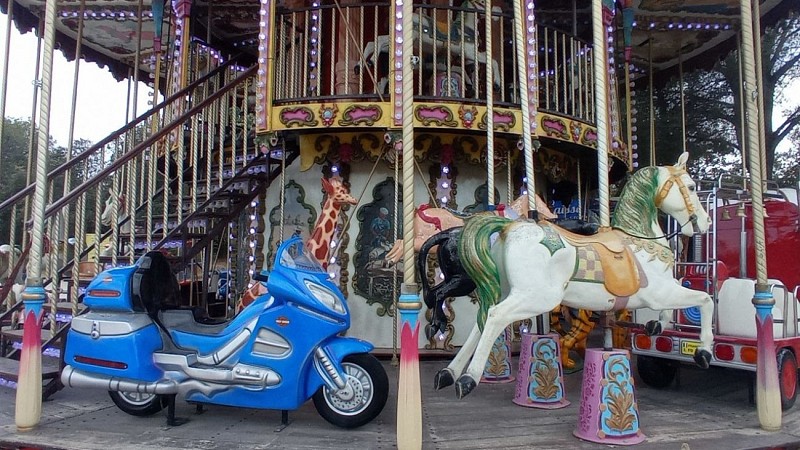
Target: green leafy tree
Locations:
point(16, 145)
point(713, 108)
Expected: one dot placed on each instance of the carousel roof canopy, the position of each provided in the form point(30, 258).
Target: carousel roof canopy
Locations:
point(663, 32)
point(666, 33)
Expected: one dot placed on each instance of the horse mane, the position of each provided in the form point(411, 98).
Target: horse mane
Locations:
point(474, 251)
point(636, 209)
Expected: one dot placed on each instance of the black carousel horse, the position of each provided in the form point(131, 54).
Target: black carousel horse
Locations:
point(455, 281)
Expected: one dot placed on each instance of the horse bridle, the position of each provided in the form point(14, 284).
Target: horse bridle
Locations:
point(675, 175)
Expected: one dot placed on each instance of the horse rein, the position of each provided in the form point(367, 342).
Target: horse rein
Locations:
point(674, 178)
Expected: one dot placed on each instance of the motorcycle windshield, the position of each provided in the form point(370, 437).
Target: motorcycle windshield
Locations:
point(293, 255)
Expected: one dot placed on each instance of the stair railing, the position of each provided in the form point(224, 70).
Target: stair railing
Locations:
point(132, 172)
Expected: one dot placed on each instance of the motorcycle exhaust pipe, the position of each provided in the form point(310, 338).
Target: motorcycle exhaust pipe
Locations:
point(75, 378)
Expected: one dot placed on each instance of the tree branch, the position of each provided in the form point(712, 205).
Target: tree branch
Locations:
point(787, 126)
point(778, 74)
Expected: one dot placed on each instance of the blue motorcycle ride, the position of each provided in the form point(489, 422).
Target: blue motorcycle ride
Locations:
point(281, 350)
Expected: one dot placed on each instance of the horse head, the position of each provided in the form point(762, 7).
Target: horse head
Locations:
point(677, 197)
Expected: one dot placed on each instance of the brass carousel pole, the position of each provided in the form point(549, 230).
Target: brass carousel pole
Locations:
point(489, 108)
point(762, 139)
point(605, 360)
point(767, 385)
point(651, 92)
point(32, 137)
point(600, 61)
point(409, 401)
point(80, 204)
point(501, 347)
point(525, 41)
point(28, 410)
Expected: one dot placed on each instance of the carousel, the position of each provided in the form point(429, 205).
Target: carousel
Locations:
point(365, 129)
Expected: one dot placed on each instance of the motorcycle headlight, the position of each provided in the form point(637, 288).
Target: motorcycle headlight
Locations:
point(326, 297)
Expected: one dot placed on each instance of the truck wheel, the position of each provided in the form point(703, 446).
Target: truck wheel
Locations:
point(361, 400)
point(137, 404)
point(656, 372)
point(787, 372)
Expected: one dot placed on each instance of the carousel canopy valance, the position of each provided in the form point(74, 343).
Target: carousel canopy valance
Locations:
point(663, 33)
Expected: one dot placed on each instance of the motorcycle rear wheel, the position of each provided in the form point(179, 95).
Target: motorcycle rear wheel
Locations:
point(363, 398)
point(137, 404)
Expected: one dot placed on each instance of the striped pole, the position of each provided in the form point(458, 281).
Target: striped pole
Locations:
point(28, 409)
point(767, 387)
point(409, 400)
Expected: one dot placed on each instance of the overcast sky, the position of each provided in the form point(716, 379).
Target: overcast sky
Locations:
point(101, 99)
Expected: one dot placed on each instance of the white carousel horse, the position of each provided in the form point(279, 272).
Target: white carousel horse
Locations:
point(532, 268)
point(440, 36)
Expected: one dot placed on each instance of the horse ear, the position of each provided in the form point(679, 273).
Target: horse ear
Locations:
point(681, 164)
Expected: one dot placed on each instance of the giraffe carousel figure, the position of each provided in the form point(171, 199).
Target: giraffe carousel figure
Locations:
point(319, 244)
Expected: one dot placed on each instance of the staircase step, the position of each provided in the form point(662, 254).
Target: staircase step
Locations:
point(64, 311)
point(9, 370)
point(13, 335)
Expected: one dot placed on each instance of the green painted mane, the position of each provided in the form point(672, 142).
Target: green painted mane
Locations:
point(636, 209)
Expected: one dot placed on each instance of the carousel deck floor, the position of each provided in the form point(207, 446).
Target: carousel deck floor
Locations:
point(709, 410)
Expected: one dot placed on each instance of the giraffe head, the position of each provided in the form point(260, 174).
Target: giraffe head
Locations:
point(337, 192)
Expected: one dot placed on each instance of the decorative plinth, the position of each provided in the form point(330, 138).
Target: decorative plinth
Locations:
point(498, 366)
point(540, 379)
point(608, 413)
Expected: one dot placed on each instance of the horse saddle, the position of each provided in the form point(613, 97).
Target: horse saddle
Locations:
point(618, 269)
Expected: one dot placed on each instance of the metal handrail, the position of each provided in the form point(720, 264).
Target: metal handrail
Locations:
point(783, 320)
point(119, 162)
point(119, 132)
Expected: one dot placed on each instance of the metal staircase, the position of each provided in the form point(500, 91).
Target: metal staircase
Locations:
point(183, 178)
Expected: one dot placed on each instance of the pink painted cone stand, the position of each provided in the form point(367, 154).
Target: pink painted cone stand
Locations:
point(540, 379)
point(608, 413)
point(498, 366)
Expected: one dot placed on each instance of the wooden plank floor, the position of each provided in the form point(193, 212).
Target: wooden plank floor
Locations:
point(709, 410)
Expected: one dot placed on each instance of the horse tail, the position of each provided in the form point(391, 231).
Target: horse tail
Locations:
point(474, 251)
point(422, 259)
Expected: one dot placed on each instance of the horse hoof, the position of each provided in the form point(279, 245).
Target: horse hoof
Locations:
point(702, 358)
point(464, 386)
point(443, 379)
point(652, 328)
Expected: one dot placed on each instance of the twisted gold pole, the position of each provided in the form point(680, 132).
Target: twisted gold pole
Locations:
point(489, 106)
point(28, 410)
point(767, 385)
point(527, 71)
point(408, 147)
point(601, 107)
point(762, 140)
point(80, 229)
point(409, 399)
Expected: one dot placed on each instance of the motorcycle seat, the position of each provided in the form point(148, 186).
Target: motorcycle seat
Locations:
point(185, 320)
point(187, 333)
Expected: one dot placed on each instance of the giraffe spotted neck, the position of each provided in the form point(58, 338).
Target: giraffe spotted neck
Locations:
point(319, 243)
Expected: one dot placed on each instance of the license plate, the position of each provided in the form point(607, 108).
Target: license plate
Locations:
point(689, 347)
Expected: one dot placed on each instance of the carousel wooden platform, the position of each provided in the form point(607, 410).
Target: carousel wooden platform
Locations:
point(708, 410)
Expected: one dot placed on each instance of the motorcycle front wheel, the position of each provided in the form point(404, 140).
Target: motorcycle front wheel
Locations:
point(361, 400)
point(137, 404)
